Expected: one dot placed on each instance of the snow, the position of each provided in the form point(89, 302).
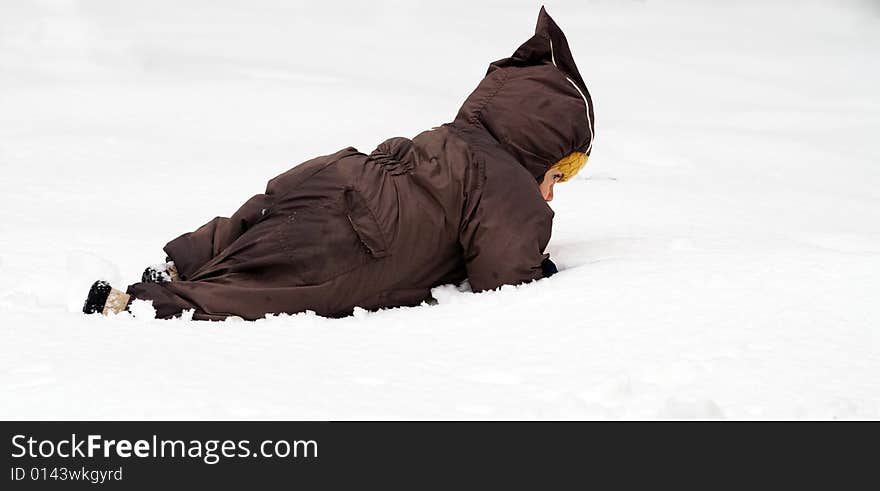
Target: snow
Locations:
point(719, 255)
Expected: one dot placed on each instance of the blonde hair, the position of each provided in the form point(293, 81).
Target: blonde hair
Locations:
point(570, 165)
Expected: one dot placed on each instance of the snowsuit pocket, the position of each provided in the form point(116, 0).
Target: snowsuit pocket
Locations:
point(320, 243)
point(365, 224)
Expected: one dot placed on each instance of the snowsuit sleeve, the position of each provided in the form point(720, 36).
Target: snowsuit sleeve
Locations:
point(508, 229)
point(192, 250)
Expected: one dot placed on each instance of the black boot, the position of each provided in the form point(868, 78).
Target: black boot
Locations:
point(98, 294)
point(105, 299)
point(160, 273)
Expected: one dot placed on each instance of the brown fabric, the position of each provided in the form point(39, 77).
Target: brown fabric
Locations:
point(380, 230)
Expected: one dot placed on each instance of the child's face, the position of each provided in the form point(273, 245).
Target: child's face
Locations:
point(551, 177)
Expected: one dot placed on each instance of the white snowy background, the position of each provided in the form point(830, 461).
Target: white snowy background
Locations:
point(720, 254)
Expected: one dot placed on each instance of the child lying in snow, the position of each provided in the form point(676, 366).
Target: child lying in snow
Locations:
point(466, 200)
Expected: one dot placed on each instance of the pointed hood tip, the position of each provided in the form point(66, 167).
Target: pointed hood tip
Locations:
point(544, 19)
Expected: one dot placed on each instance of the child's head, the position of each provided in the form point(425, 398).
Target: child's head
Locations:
point(561, 171)
point(536, 105)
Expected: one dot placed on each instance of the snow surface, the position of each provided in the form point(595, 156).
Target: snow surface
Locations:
point(719, 256)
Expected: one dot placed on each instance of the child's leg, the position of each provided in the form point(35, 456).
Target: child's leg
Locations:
point(192, 250)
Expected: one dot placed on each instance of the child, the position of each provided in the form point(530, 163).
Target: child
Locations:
point(466, 200)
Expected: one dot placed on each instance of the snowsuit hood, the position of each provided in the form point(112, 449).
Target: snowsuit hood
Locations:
point(535, 103)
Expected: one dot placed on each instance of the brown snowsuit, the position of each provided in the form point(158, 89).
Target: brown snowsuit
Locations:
point(380, 230)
